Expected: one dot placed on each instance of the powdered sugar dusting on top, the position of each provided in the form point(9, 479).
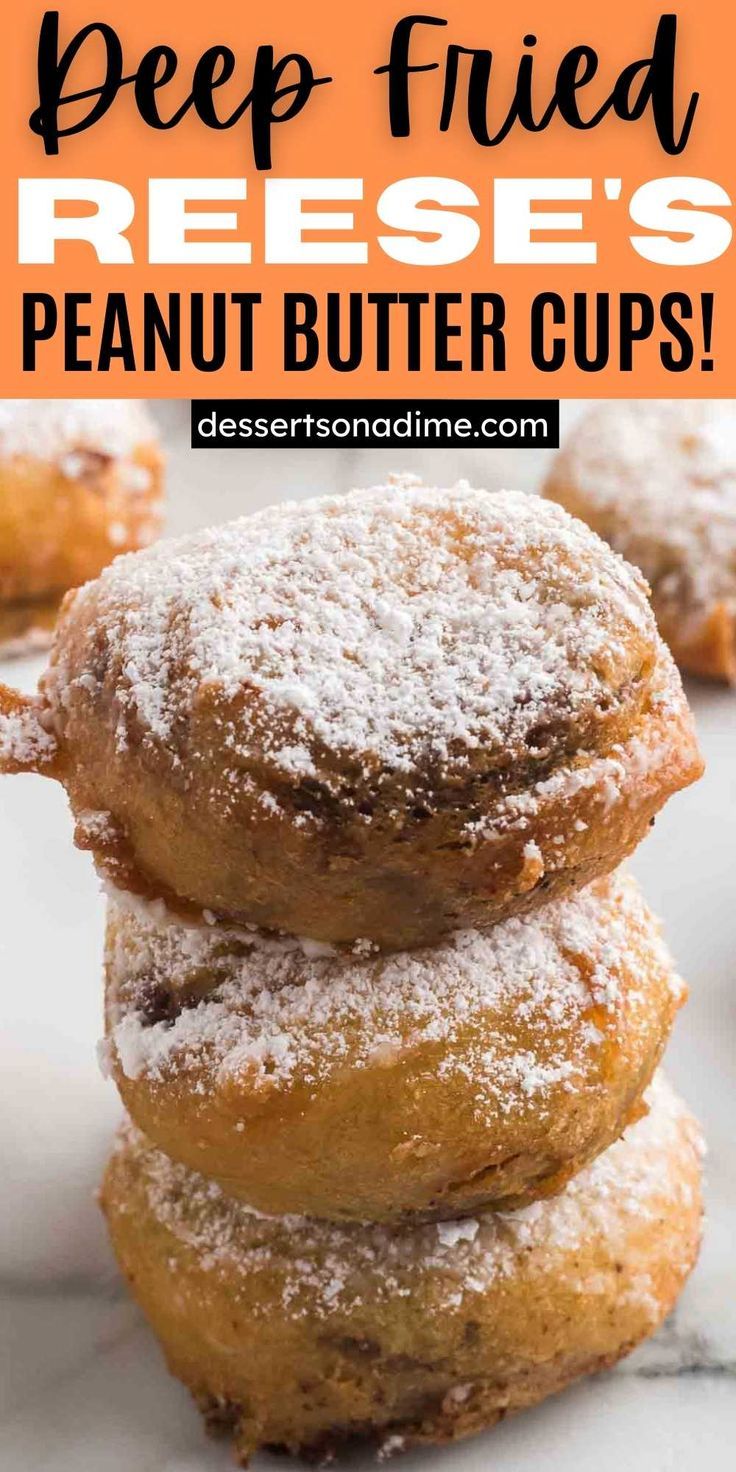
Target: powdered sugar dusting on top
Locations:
point(521, 1010)
point(659, 478)
point(57, 429)
point(24, 742)
point(324, 1269)
point(383, 625)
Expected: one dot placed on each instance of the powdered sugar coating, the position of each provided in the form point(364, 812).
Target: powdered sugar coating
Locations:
point(24, 742)
point(324, 1269)
point(55, 430)
point(658, 478)
point(520, 1010)
point(390, 625)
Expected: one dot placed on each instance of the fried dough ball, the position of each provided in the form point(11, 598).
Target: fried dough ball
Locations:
point(658, 480)
point(301, 1335)
point(371, 718)
point(482, 1073)
point(80, 481)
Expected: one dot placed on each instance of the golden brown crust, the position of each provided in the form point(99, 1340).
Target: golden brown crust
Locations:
point(59, 529)
point(480, 1074)
point(702, 639)
point(300, 1335)
point(474, 795)
point(468, 855)
point(26, 745)
point(703, 643)
point(432, 1418)
point(657, 480)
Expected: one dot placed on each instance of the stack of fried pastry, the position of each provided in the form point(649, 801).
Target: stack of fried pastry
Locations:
point(384, 1011)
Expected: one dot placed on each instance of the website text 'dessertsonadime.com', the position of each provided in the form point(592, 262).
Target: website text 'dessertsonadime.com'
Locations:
point(367, 423)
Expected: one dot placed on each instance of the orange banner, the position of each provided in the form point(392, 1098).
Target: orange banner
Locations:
point(299, 200)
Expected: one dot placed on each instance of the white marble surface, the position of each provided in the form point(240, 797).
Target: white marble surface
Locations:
point(82, 1387)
